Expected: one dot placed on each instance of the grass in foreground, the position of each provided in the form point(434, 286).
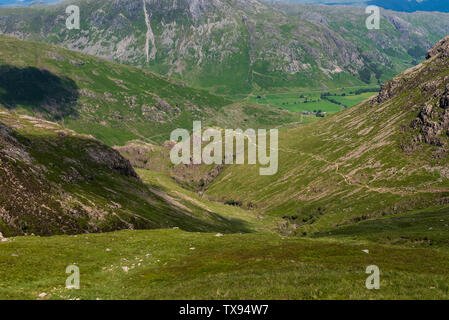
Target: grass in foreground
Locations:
point(424, 228)
point(173, 264)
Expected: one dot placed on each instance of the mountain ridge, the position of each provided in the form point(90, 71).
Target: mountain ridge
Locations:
point(222, 45)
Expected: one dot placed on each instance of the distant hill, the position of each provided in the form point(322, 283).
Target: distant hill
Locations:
point(413, 5)
point(113, 102)
point(239, 46)
point(397, 5)
point(21, 3)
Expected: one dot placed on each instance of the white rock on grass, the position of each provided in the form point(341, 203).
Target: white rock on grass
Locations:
point(2, 238)
point(219, 235)
point(366, 251)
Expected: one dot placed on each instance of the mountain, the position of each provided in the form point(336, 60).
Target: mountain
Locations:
point(112, 102)
point(385, 156)
point(396, 5)
point(238, 46)
point(412, 5)
point(19, 3)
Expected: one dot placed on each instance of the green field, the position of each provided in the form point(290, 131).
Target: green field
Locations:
point(312, 101)
point(351, 100)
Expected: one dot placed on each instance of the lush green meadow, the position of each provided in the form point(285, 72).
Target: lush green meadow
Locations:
point(351, 100)
point(313, 101)
point(426, 228)
point(173, 264)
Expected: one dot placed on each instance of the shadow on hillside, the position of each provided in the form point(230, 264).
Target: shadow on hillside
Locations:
point(40, 90)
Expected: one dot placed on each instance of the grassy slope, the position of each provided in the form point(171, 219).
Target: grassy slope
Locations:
point(162, 264)
point(424, 228)
point(114, 103)
point(260, 266)
point(351, 166)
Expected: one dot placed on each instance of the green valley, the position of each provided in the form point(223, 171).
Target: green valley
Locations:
point(359, 139)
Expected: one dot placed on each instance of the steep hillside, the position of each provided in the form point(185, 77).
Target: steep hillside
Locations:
point(55, 181)
point(233, 46)
point(381, 157)
point(112, 102)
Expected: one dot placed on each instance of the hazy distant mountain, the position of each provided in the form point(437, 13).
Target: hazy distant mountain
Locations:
point(397, 5)
point(329, 2)
point(413, 5)
point(22, 3)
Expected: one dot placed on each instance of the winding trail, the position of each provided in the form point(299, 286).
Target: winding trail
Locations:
point(348, 181)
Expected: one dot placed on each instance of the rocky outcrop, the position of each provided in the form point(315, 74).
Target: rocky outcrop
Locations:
point(433, 124)
point(113, 160)
point(149, 36)
point(388, 90)
point(160, 111)
point(433, 119)
point(444, 101)
point(441, 49)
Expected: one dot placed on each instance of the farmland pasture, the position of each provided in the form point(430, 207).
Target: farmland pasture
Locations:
point(312, 101)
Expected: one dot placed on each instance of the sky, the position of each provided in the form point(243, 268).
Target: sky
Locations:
point(7, 3)
point(397, 5)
